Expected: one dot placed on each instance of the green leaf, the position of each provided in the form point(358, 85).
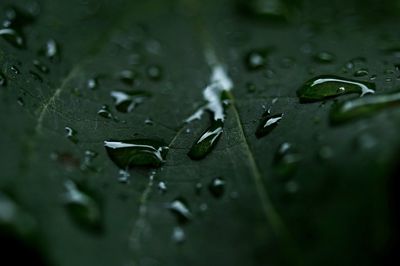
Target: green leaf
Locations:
point(74, 74)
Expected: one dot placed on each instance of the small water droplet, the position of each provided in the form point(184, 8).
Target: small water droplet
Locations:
point(217, 187)
point(40, 66)
point(162, 187)
point(88, 158)
point(105, 112)
point(286, 160)
point(82, 207)
point(207, 141)
point(52, 49)
point(13, 37)
point(346, 111)
point(267, 9)
point(3, 80)
point(154, 73)
point(14, 70)
point(324, 57)
point(149, 122)
point(203, 207)
point(20, 101)
point(198, 188)
point(180, 209)
point(71, 134)
point(256, 60)
point(128, 77)
point(325, 87)
point(178, 235)
point(361, 72)
point(267, 124)
point(139, 152)
point(126, 101)
point(124, 176)
point(92, 83)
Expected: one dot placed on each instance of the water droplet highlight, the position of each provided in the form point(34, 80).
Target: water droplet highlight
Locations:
point(207, 141)
point(325, 87)
point(140, 152)
point(126, 101)
point(180, 209)
point(154, 73)
point(71, 134)
point(268, 123)
point(256, 60)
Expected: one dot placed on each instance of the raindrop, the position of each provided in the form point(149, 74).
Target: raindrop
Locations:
point(126, 101)
point(180, 209)
point(149, 122)
point(128, 77)
point(361, 72)
point(362, 107)
point(154, 73)
point(3, 80)
point(40, 66)
point(88, 158)
point(178, 235)
point(52, 49)
point(286, 160)
point(14, 70)
point(105, 112)
point(124, 176)
point(20, 101)
point(162, 187)
point(92, 83)
point(267, 124)
point(217, 187)
point(83, 209)
point(12, 37)
point(325, 87)
point(324, 57)
point(269, 9)
point(256, 60)
point(207, 141)
point(139, 152)
point(71, 134)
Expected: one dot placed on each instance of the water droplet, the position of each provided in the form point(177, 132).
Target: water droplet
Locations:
point(286, 160)
point(126, 101)
point(154, 73)
point(40, 66)
point(324, 57)
point(128, 77)
point(325, 87)
point(256, 60)
point(88, 158)
point(52, 49)
point(124, 176)
point(12, 37)
point(71, 134)
point(217, 187)
point(82, 207)
point(3, 80)
point(180, 209)
point(198, 188)
point(139, 152)
point(362, 107)
point(162, 187)
point(361, 72)
point(149, 122)
point(268, 9)
point(92, 83)
point(267, 124)
point(20, 101)
point(207, 141)
point(105, 112)
point(178, 235)
point(203, 207)
point(14, 70)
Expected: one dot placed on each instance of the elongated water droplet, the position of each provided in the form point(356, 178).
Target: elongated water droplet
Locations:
point(52, 49)
point(217, 187)
point(180, 209)
point(13, 37)
point(126, 101)
point(154, 72)
point(325, 87)
point(256, 60)
point(71, 134)
point(3, 80)
point(363, 107)
point(286, 160)
point(162, 187)
point(207, 141)
point(83, 209)
point(139, 152)
point(148, 122)
point(267, 124)
point(40, 66)
point(361, 72)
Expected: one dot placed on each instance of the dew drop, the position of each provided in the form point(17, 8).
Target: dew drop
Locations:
point(267, 124)
point(325, 87)
point(128, 77)
point(83, 209)
point(207, 141)
point(178, 235)
point(13, 37)
point(361, 72)
point(180, 209)
point(324, 57)
point(154, 73)
point(256, 60)
point(139, 152)
point(105, 112)
point(3, 80)
point(14, 70)
point(124, 176)
point(40, 66)
point(126, 101)
point(362, 107)
point(87, 163)
point(149, 122)
point(198, 188)
point(162, 187)
point(286, 160)
point(268, 9)
point(71, 134)
point(217, 187)
point(92, 83)
point(52, 49)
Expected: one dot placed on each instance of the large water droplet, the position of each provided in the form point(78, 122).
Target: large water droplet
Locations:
point(126, 101)
point(82, 207)
point(139, 152)
point(13, 37)
point(325, 87)
point(217, 187)
point(207, 141)
point(128, 77)
point(286, 160)
point(362, 107)
point(180, 209)
point(267, 124)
